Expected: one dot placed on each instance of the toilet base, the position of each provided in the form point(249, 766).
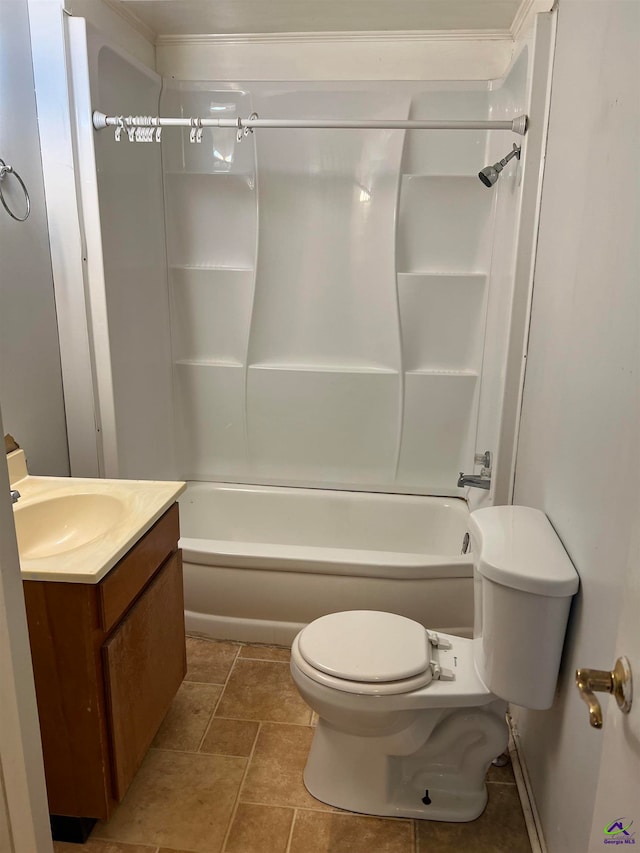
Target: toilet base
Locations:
point(442, 778)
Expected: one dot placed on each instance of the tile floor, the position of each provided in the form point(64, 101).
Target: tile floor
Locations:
point(224, 775)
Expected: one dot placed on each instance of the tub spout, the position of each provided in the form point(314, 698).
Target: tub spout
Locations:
point(478, 481)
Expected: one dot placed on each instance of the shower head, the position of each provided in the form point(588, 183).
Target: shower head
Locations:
point(490, 174)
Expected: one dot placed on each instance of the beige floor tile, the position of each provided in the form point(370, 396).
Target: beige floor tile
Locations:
point(315, 832)
point(94, 845)
point(188, 716)
point(262, 690)
point(256, 652)
point(230, 737)
point(209, 661)
point(182, 801)
point(178, 800)
point(501, 774)
point(501, 829)
point(275, 771)
point(259, 829)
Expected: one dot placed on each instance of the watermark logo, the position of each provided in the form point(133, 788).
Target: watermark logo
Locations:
point(618, 832)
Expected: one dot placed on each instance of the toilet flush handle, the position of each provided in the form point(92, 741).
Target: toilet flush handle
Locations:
point(617, 682)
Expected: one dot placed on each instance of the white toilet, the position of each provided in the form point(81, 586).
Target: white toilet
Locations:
point(410, 720)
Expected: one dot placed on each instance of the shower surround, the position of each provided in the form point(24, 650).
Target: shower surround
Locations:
point(328, 287)
point(312, 326)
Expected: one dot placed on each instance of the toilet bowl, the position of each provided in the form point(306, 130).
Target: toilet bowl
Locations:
point(410, 720)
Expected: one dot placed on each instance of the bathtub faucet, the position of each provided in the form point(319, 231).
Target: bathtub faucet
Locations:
point(15, 496)
point(482, 480)
point(478, 482)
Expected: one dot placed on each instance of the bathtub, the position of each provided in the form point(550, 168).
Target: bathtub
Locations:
point(262, 561)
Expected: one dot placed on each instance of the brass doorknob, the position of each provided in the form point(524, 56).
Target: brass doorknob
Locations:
point(617, 682)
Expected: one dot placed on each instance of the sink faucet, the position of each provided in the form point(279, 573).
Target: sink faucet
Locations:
point(482, 480)
point(15, 496)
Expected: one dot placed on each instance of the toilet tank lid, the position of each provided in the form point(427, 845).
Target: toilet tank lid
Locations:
point(518, 547)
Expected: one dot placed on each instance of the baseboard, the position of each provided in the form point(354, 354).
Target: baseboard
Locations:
point(525, 791)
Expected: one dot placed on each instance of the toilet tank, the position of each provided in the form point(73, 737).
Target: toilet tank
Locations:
point(523, 585)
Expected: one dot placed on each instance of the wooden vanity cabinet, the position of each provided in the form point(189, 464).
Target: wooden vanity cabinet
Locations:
point(108, 659)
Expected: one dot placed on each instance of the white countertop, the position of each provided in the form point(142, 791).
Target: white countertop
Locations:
point(140, 503)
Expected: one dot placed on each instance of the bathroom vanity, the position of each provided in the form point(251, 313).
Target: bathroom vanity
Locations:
point(108, 659)
point(102, 579)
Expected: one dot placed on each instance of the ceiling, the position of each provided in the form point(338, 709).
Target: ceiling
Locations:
point(226, 17)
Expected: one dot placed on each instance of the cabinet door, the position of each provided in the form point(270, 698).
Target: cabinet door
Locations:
point(145, 663)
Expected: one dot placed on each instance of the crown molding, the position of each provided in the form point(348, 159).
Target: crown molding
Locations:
point(521, 23)
point(381, 36)
point(132, 20)
point(321, 56)
point(527, 10)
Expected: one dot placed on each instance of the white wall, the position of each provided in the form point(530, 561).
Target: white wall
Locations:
point(578, 454)
point(30, 378)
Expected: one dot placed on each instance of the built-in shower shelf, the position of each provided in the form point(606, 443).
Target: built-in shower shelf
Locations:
point(210, 268)
point(449, 176)
point(322, 368)
point(204, 362)
point(441, 371)
point(440, 273)
point(471, 177)
point(210, 174)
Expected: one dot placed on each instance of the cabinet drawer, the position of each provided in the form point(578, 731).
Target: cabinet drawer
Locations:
point(144, 663)
point(127, 580)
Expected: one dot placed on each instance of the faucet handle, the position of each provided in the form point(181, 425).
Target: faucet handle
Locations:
point(483, 459)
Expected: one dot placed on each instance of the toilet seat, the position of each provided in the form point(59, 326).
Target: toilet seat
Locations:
point(365, 651)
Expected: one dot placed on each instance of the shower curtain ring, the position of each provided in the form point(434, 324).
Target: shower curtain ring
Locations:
point(130, 128)
point(192, 134)
point(199, 130)
point(252, 117)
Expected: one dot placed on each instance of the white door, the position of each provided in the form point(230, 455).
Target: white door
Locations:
point(616, 814)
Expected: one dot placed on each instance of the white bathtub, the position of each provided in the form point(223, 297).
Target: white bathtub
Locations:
point(262, 561)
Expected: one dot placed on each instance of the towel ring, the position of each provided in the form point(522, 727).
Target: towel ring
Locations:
point(9, 170)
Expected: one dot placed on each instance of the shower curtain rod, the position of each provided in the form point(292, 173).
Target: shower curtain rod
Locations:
point(245, 125)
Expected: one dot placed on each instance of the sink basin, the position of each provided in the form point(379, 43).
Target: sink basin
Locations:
point(59, 524)
point(76, 529)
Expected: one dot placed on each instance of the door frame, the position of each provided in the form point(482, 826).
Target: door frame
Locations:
point(24, 813)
